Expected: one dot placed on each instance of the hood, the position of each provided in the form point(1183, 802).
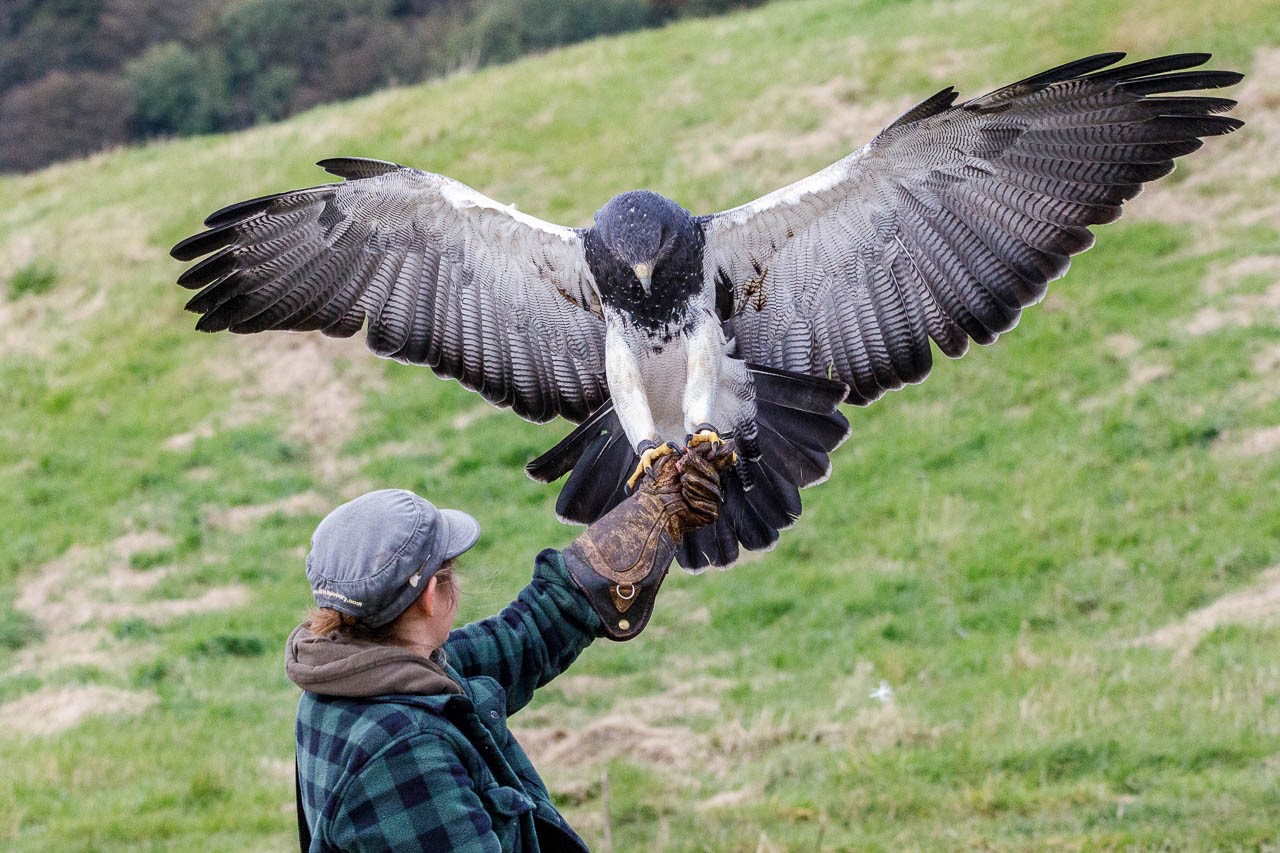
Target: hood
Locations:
point(333, 665)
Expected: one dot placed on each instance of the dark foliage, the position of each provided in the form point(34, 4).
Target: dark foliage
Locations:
point(62, 114)
point(77, 76)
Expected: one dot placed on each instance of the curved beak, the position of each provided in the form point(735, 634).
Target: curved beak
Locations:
point(644, 272)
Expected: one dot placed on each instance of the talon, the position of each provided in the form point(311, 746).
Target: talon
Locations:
point(649, 456)
point(706, 434)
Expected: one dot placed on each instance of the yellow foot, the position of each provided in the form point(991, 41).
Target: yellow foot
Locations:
point(706, 434)
point(647, 460)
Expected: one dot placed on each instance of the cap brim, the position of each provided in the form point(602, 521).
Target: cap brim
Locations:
point(461, 532)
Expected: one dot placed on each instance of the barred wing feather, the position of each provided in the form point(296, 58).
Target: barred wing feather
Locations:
point(951, 220)
point(444, 276)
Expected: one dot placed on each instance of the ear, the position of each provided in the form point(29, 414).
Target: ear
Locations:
point(427, 601)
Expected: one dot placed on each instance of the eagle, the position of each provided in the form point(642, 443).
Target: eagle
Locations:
point(656, 329)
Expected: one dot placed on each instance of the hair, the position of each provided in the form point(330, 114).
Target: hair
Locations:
point(326, 620)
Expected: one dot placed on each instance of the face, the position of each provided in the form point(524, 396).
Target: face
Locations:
point(641, 229)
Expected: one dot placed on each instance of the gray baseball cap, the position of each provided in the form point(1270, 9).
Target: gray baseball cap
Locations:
point(370, 558)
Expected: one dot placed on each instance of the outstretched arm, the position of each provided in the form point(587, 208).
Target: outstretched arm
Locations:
point(602, 584)
point(533, 639)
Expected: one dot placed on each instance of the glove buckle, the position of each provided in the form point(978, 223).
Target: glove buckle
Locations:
point(623, 595)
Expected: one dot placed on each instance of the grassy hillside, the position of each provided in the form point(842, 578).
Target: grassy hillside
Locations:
point(1059, 553)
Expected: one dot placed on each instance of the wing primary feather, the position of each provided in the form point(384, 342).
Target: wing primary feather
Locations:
point(338, 282)
point(391, 319)
point(211, 269)
point(264, 307)
point(204, 243)
point(938, 325)
point(275, 203)
point(1147, 67)
point(327, 309)
point(1068, 70)
point(1190, 81)
point(946, 275)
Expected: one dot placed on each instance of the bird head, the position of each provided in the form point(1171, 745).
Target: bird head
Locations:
point(641, 229)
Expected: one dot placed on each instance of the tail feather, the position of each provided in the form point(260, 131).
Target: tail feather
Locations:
point(798, 424)
point(558, 461)
point(754, 523)
point(752, 516)
point(801, 428)
point(775, 497)
point(802, 463)
point(713, 545)
point(598, 482)
point(600, 457)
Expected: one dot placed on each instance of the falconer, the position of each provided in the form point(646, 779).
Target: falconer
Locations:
point(402, 738)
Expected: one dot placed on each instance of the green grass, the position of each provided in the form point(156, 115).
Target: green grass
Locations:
point(990, 542)
point(34, 277)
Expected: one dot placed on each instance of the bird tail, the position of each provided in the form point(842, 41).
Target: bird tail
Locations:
point(798, 423)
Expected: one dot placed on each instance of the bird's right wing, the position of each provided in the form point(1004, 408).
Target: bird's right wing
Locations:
point(951, 220)
point(445, 276)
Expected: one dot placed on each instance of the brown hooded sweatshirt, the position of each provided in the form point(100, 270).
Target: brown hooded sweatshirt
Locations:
point(334, 665)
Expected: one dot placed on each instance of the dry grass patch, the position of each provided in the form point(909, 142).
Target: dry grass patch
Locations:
point(1257, 442)
point(1267, 362)
point(1257, 605)
point(77, 596)
point(313, 384)
point(1225, 279)
point(1242, 309)
point(616, 735)
point(55, 709)
point(1123, 345)
point(238, 519)
point(731, 799)
point(1141, 375)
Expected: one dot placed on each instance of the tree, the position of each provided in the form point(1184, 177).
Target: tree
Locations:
point(62, 115)
point(177, 91)
point(127, 28)
point(49, 35)
point(506, 29)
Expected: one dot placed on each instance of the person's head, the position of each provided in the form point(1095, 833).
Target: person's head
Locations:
point(384, 558)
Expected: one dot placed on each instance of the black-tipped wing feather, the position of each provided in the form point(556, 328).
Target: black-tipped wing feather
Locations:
point(442, 275)
point(952, 220)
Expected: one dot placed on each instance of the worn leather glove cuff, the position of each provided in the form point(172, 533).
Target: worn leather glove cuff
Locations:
point(622, 600)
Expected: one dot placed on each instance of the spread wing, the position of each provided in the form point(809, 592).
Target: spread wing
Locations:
point(445, 277)
point(951, 220)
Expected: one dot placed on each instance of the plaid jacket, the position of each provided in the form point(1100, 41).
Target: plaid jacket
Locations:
point(443, 772)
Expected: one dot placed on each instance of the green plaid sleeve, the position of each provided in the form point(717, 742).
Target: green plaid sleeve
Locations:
point(417, 795)
point(533, 639)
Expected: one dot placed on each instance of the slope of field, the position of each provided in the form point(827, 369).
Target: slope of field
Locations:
point(1058, 555)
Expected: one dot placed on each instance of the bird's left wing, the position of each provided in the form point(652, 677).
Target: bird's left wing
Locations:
point(445, 276)
point(951, 220)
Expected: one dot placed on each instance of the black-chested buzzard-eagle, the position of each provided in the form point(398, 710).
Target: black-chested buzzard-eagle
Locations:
point(656, 326)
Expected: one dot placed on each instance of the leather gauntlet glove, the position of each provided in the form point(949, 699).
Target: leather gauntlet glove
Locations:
point(620, 561)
